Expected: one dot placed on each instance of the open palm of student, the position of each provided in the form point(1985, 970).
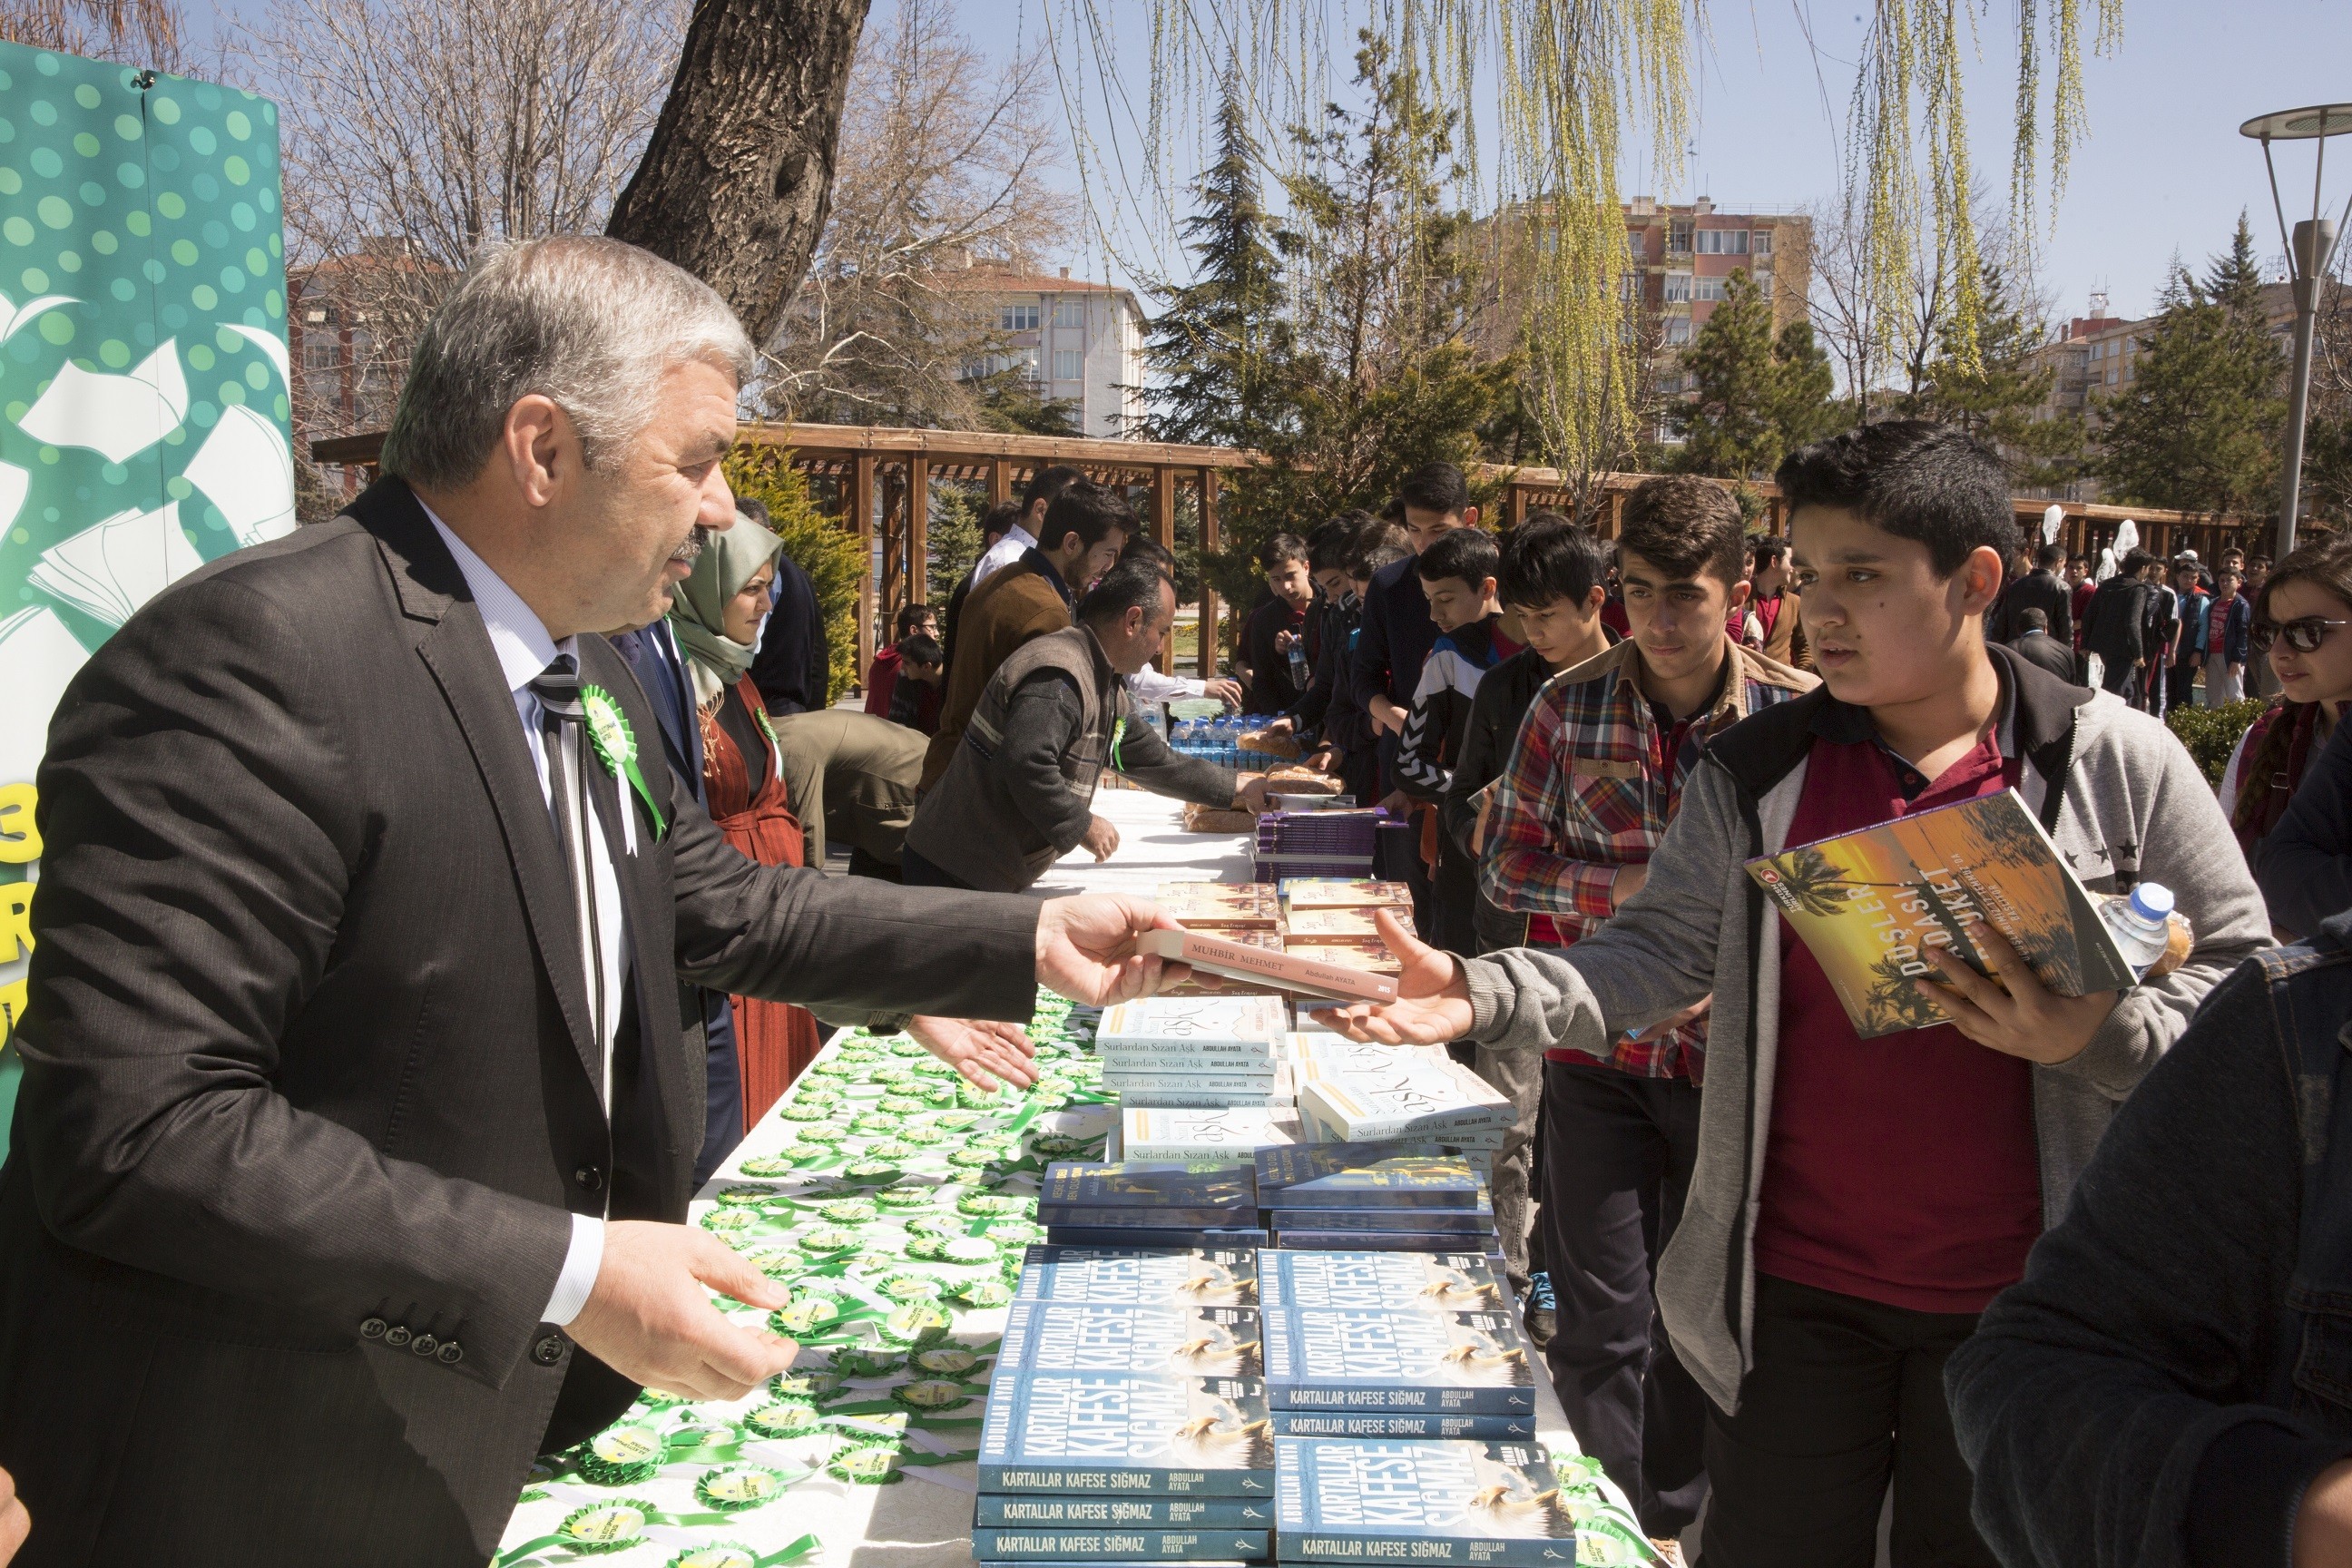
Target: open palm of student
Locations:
point(1432, 1005)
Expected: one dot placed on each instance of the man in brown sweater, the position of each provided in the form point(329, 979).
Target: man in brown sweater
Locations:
point(1084, 528)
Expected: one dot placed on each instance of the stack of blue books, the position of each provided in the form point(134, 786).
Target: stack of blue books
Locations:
point(1361, 1196)
point(1127, 1419)
point(1495, 1505)
point(1138, 1203)
point(1393, 1344)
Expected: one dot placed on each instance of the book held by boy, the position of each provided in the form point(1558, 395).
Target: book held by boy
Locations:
point(1871, 905)
point(1300, 974)
point(1339, 1500)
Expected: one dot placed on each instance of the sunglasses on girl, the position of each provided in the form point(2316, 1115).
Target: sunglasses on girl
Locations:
point(2304, 634)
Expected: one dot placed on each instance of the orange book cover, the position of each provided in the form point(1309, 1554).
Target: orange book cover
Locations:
point(1267, 967)
point(1870, 903)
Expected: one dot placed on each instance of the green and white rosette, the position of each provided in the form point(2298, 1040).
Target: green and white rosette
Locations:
point(617, 748)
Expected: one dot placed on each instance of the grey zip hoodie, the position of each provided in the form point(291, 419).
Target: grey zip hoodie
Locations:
point(2132, 807)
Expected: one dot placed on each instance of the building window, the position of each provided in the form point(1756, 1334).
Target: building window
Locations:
point(1761, 243)
point(1678, 235)
point(1678, 288)
point(1069, 312)
point(319, 356)
point(1723, 242)
point(1764, 286)
point(1710, 288)
point(1017, 318)
point(1678, 328)
point(1069, 364)
point(1637, 243)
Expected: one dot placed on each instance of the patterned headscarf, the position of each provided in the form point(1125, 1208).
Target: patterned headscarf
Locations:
point(698, 611)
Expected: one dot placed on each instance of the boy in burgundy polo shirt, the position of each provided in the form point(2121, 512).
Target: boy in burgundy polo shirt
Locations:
point(1857, 1203)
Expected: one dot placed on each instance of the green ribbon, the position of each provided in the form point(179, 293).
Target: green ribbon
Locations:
point(617, 748)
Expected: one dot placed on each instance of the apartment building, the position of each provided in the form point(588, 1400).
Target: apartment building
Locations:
point(1081, 342)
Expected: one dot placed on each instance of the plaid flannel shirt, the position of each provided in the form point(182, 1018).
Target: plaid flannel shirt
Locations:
point(1589, 788)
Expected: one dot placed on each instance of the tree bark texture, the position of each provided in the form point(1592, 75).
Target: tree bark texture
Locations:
point(737, 179)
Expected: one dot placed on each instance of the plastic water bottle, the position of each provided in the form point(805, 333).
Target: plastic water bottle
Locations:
point(2140, 924)
point(1298, 667)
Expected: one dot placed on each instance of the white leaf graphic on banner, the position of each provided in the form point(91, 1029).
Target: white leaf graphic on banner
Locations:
point(246, 468)
point(15, 316)
point(109, 570)
point(117, 415)
point(14, 484)
point(37, 657)
point(269, 343)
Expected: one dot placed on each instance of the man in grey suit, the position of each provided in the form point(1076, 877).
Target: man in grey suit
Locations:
point(359, 1104)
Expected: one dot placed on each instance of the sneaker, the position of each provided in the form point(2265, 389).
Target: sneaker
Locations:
point(1543, 1312)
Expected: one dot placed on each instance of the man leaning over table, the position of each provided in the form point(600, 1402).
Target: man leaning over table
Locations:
point(358, 1103)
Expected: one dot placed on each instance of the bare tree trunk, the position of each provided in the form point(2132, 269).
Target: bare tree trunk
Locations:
point(737, 178)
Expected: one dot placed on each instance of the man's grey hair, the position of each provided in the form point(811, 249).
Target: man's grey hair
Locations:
point(589, 324)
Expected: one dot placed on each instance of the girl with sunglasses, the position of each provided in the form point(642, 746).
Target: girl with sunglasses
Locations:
point(2303, 625)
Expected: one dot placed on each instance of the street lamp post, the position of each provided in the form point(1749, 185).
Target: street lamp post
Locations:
point(2310, 248)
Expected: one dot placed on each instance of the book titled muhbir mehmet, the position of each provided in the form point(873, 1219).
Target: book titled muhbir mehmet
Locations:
point(1115, 1544)
point(1123, 1512)
point(1141, 1277)
point(1172, 1342)
point(1074, 1433)
point(1361, 1359)
point(1871, 905)
point(1399, 1175)
point(1285, 970)
point(1368, 1281)
point(1478, 1503)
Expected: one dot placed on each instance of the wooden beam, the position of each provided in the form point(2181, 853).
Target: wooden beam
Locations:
point(1207, 660)
point(919, 529)
point(1000, 480)
point(861, 515)
point(1163, 528)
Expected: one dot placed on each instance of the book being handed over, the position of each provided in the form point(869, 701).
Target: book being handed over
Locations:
point(1870, 904)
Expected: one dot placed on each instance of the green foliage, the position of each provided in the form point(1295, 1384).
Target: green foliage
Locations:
point(954, 536)
point(1009, 402)
point(2212, 733)
point(1756, 396)
point(816, 545)
point(1999, 397)
point(2197, 429)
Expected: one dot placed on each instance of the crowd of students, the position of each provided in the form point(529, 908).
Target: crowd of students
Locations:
point(1973, 1275)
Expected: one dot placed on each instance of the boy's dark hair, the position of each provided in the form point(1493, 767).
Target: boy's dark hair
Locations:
point(1279, 550)
point(920, 649)
point(1468, 553)
point(2082, 561)
point(1143, 547)
point(998, 519)
point(1370, 559)
point(1046, 483)
point(1766, 549)
point(1328, 542)
point(1548, 558)
point(913, 616)
point(1088, 509)
point(1434, 486)
point(2050, 557)
point(2034, 620)
point(1134, 581)
point(1912, 479)
point(2135, 561)
point(751, 510)
point(2258, 563)
point(1685, 525)
point(1383, 533)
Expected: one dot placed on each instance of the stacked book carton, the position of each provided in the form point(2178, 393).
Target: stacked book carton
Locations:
point(1393, 1344)
point(1236, 1135)
point(1153, 1204)
point(1204, 1052)
point(1374, 1195)
point(1356, 1097)
point(1127, 1418)
point(1330, 919)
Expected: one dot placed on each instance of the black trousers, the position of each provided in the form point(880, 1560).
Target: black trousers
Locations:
point(917, 872)
point(2180, 689)
point(1617, 1158)
point(1844, 1399)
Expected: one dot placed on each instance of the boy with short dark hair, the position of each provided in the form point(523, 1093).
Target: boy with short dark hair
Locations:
point(1271, 679)
point(922, 674)
point(1331, 627)
point(1434, 500)
point(1458, 576)
point(1856, 1203)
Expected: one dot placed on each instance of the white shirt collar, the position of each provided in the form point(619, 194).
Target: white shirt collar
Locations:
point(516, 634)
point(1021, 536)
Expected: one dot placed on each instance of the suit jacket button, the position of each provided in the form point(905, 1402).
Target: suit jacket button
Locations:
point(373, 1328)
point(450, 1353)
point(590, 1178)
point(396, 1336)
point(548, 1351)
point(424, 1344)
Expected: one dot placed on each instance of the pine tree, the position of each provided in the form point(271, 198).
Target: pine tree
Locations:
point(2197, 427)
point(1755, 396)
point(1219, 345)
point(2000, 399)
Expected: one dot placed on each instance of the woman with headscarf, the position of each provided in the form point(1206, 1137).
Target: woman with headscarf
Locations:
point(715, 617)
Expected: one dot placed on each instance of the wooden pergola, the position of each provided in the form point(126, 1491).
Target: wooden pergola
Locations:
point(874, 472)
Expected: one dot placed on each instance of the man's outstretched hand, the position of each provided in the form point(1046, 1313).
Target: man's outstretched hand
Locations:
point(16, 1524)
point(1085, 949)
point(1432, 1005)
point(987, 1054)
point(650, 1317)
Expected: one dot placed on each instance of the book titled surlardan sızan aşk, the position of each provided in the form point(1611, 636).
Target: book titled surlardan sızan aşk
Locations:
point(1872, 904)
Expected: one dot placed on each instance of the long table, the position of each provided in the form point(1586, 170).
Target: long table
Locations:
point(863, 1456)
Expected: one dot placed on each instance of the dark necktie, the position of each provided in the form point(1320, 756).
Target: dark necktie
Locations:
point(564, 728)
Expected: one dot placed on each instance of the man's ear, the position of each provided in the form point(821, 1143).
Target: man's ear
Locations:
point(1469, 517)
point(1739, 593)
point(1980, 577)
point(540, 448)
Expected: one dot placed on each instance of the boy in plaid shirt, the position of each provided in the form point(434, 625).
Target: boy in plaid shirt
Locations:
point(1591, 785)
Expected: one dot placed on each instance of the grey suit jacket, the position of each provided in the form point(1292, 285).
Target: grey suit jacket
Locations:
point(306, 1060)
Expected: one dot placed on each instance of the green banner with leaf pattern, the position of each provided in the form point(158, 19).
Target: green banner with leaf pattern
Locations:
point(143, 387)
